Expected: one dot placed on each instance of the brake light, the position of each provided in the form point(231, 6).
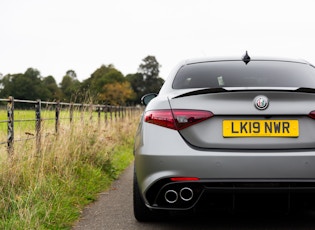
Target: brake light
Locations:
point(312, 114)
point(177, 119)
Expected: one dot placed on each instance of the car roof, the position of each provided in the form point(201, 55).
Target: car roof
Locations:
point(222, 59)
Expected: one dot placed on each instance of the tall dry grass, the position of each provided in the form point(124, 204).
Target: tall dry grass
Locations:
point(47, 189)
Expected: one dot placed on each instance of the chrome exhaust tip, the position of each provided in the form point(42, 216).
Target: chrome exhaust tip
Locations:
point(171, 196)
point(186, 194)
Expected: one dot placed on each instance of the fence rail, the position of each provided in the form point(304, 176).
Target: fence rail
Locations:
point(110, 113)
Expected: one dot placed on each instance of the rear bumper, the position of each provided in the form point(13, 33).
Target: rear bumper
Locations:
point(229, 195)
point(224, 173)
point(220, 171)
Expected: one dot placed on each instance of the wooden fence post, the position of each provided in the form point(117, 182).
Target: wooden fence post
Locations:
point(111, 113)
point(105, 112)
point(98, 108)
point(57, 122)
point(91, 111)
point(38, 106)
point(71, 112)
point(10, 112)
point(115, 113)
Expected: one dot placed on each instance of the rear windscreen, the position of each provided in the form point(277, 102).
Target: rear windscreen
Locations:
point(238, 74)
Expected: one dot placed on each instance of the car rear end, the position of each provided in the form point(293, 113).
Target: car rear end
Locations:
point(222, 133)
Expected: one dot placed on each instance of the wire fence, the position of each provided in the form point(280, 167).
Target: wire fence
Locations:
point(70, 111)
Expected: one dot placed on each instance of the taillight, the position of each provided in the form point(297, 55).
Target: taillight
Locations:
point(312, 114)
point(177, 119)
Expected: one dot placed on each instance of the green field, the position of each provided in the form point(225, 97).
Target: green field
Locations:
point(25, 121)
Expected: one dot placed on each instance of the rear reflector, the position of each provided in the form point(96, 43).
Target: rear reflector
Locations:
point(184, 179)
point(176, 119)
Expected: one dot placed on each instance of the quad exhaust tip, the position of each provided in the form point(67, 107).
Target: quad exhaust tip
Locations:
point(186, 194)
point(171, 196)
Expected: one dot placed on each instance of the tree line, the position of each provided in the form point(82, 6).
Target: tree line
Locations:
point(106, 85)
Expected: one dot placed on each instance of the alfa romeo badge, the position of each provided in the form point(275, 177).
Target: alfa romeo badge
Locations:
point(261, 102)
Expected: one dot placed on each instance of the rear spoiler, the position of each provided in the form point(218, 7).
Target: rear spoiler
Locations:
point(243, 89)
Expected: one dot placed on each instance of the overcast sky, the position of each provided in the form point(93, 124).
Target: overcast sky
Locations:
point(54, 36)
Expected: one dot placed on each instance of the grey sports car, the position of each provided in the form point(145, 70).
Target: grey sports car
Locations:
point(227, 134)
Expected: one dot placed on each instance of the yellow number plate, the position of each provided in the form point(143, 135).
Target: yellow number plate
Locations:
point(260, 128)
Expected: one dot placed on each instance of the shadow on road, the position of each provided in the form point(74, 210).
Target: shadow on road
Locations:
point(305, 220)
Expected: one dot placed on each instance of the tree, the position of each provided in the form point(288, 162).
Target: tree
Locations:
point(71, 73)
point(147, 79)
point(138, 85)
point(70, 87)
point(102, 76)
point(29, 86)
point(49, 83)
point(22, 86)
point(7, 85)
point(149, 68)
point(116, 93)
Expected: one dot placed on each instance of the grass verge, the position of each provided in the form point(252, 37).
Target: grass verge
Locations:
point(47, 190)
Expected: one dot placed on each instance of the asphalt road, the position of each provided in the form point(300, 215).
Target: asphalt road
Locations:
point(114, 211)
